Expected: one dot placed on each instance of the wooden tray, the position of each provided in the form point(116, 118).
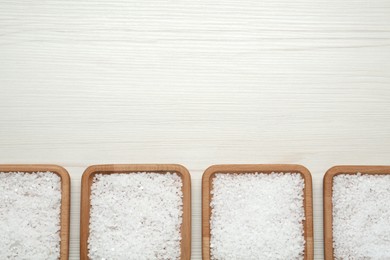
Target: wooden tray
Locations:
point(65, 196)
point(328, 205)
point(207, 184)
point(86, 183)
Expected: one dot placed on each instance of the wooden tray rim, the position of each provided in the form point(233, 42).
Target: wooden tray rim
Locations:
point(327, 197)
point(65, 196)
point(260, 168)
point(129, 169)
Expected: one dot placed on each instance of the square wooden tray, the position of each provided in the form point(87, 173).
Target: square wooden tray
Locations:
point(328, 205)
point(207, 185)
point(86, 183)
point(65, 197)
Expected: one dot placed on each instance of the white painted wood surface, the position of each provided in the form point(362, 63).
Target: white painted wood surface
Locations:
point(195, 82)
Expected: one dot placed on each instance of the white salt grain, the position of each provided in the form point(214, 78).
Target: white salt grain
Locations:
point(30, 205)
point(257, 216)
point(361, 216)
point(135, 216)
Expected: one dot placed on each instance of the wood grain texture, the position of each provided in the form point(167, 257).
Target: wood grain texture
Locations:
point(195, 82)
point(328, 193)
point(86, 184)
point(207, 187)
point(65, 197)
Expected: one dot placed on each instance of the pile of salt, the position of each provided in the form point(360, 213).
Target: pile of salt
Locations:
point(361, 216)
point(30, 206)
point(135, 216)
point(257, 216)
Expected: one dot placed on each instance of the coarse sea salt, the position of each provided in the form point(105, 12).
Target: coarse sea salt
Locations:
point(135, 216)
point(30, 206)
point(361, 216)
point(257, 216)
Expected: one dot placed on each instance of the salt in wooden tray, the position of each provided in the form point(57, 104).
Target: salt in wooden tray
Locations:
point(65, 197)
point(328, 193)
point(207, 186)
point(86, 184)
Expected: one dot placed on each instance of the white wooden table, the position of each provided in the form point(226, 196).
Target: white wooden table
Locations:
point(197, 83)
